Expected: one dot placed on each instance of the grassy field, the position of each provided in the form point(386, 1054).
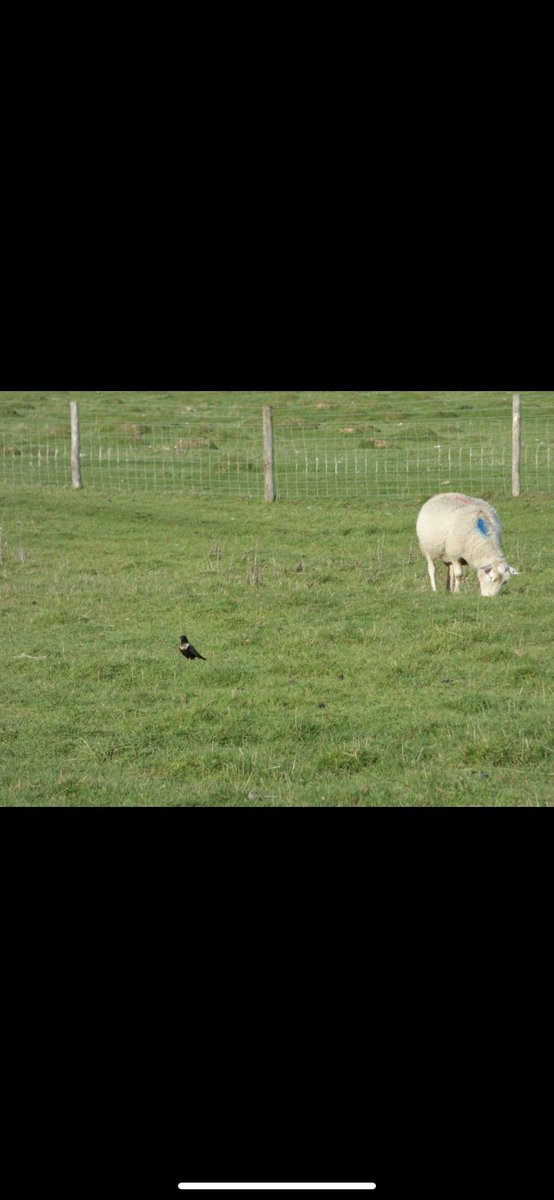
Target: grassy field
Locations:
point(109, 410)
point(334, 677)
point(328, 445)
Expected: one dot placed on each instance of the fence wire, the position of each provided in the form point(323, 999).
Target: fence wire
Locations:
point(393, 459)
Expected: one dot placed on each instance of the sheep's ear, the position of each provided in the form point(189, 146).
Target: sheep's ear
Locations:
point(513, 571)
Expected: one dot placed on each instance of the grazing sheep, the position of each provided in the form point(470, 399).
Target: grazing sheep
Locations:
point(461, 531)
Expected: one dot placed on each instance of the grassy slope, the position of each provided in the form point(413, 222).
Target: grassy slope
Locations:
point(111, 410)
point(334, 676)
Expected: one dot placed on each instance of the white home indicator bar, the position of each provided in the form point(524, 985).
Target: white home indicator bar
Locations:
point(277, 1187)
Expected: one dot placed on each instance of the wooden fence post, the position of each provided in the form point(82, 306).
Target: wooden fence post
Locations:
point(516, 447)
point(269, 457)
point(75, 446)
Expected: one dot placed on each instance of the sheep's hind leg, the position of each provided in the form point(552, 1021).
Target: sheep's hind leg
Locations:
point(432, 573)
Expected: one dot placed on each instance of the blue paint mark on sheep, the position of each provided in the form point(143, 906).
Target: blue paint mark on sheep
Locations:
point(483, 527)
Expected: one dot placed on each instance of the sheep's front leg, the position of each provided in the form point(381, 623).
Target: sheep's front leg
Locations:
point(457, 572)
point(432, 573)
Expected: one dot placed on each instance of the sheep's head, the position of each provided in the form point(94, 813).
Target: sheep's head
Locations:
point(494, 577)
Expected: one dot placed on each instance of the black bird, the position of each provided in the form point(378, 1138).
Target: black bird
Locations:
point(188, 650)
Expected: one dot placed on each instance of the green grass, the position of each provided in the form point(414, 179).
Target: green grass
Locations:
point(334, 676)
point(110, 410)
point(327, 444)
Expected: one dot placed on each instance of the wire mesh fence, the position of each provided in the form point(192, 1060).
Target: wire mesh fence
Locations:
point(312, 458)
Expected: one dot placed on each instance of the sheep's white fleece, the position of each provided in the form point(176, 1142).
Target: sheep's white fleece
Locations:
point(461, 530)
